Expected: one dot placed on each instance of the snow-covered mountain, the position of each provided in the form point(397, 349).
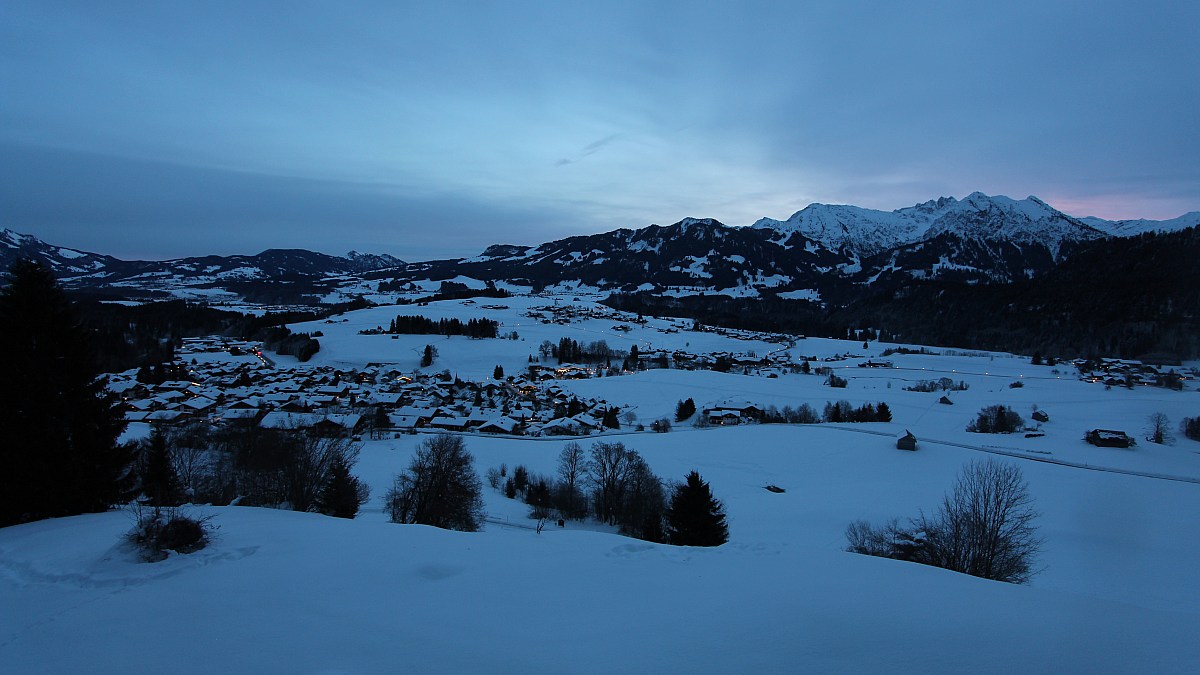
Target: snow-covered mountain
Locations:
point(83, 269)
point(822, 252)
point(1132, 228)
point(866, 232)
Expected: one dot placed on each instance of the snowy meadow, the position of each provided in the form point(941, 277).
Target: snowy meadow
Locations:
point(280, 591)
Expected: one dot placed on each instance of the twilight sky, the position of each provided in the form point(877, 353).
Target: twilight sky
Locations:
point(433, 129)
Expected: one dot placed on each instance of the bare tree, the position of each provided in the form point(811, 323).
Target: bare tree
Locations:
point(189, 450)
point(1158, 428)
point(607, 472)
point(984, 526)
point(572, 464)
point(643, 502)
point(440, 487)
point(310, 464)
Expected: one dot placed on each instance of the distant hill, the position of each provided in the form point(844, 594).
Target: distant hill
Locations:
point(81, 269)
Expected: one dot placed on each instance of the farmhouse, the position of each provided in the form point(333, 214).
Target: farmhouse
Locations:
point(1108, 438)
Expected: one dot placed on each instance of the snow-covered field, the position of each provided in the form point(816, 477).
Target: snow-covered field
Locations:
point(287, 592)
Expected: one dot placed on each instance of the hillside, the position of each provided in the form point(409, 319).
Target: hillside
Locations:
point(284, 591)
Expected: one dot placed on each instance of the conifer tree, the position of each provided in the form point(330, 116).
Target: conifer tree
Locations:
point(695, 517)
point(60, 454)
point(343, 494)
point(883, 413)
point(160, 484)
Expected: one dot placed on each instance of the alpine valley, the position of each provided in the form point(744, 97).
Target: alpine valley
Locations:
point(980, 272)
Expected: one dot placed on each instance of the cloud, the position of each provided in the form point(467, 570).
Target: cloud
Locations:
point(146, 209)
point(589, 149)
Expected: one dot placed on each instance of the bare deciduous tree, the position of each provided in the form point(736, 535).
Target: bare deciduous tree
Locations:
point(607, 473)
point(440, 487)
point(1158, 429)
point(310, 464)
point(572, 464)
point(984, 527)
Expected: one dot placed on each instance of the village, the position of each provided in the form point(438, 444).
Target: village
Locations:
point(234, 382)
point(247, 388)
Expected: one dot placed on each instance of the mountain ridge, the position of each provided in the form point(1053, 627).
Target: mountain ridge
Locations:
point(822, 253)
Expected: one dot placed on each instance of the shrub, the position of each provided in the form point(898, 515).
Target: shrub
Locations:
point(158, 531)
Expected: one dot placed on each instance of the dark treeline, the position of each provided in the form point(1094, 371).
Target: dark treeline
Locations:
point(570, 351)
point(1124, 297)
point(421, 325)
point(449, 290)
point(131, 336)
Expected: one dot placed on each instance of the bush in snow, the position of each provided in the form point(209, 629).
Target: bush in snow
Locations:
point(157, 531)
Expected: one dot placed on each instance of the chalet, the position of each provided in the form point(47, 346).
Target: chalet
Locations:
point(563, 426)
point(734, 413)
point(338, 425)
point(584, 424)
point(242, 415)
point(501, 425)
point(1040, 416)
point(136, 416)
point(724, 417)
point(478, 418)
point(446, 423)
point(421, 415)
point(339, 390)
point(250, 403)
point(296, 405)
point(945, 400)
point(385, 399)
point(167, 417)
point(198, 405)
point(139, 406)
point(907, 441)
point(1108, 438)
point(288, 420)
point(323, 401)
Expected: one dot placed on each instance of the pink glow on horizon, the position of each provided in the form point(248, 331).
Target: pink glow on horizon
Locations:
point(1120, 207)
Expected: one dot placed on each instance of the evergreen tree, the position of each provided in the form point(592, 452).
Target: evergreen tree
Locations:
point(160, 483)
point(428, 356)
point(883, 413)
point(343, 494)
point(684, 410)
point(610, 420)
point(498, 373)
point(60, 454)
point(695, 517)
